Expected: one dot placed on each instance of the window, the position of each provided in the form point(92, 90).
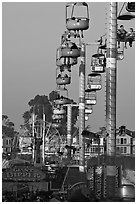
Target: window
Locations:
point(134, 150)
point(9, 149)
point(87, 150)
point(102, 150)
point(121, 149)
point(7, 141)
point(94, 150)
point(121, 140)
point(125, 150)
point(125, 140)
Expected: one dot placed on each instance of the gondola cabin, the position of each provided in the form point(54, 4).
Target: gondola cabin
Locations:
point(77, 17)
point(88, 109)
point(94, 81)
point(71, 50)
point(60, 60)
point(120, 55)
point(62, 97)
point(90, 97)
point(129, 15)
point(56, 124)
point(86, 117)
point(57, 117)
point(120, 51)
point(66, 61)
point(130, 7)
point(63, 79)
point(58, 111)
point(62, 101)
point(98, 63)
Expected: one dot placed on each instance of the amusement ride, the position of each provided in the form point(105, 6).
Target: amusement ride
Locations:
point(44, 136)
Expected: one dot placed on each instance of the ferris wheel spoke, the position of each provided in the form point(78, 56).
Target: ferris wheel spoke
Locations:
point(54, 139)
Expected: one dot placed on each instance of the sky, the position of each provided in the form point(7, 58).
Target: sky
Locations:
point(31, 34)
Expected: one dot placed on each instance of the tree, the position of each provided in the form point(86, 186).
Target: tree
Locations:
point(44, 104)
point(40, 105)
point(6, 122)
point(7, 127)
point(26, 116)
point(53, 96)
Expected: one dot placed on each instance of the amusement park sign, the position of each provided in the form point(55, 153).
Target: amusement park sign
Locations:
point(23, 173)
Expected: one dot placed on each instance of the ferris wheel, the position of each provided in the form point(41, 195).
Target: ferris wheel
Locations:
point(53, 140)
point(44, 131)
point(25, 139)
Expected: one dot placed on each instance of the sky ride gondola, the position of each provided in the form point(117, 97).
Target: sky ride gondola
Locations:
point(57, 117)
point(62, 61)
point(74, 17)
point(98, 63)
point(63, 80)
point(56, 122)
point(127, 15)
point(94, 81)
point(63, 77)
point(70, 51)
point(57, 111)
point(62, 101)
point(63, 97)
point(120, 54)
point(88, 109)
point(130, 7)
point(86, 117)
point(90, 97)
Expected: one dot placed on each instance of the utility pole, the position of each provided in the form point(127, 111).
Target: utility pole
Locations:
point(82, 108)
